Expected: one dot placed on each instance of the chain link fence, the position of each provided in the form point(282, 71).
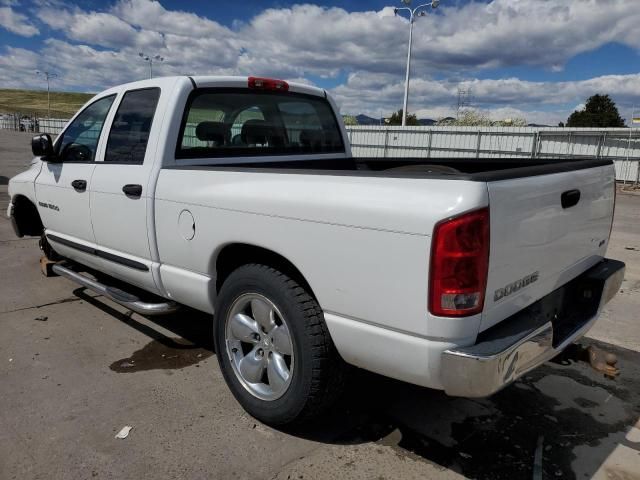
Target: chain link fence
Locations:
point(31, 123)
point(19, 122)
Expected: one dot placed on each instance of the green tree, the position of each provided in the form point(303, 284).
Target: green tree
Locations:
point(349, 120)
point(396, 119)
point(600, 111)
point(476, 118)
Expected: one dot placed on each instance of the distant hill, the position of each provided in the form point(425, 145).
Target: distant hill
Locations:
point(366, 120)
point(34, 102)
point(363, 119)
point(447, 120)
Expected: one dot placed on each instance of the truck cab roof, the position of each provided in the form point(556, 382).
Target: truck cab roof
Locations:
point(212, 81)
point(203, 81)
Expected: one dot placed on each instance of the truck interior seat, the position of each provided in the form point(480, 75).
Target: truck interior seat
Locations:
point(212, 132)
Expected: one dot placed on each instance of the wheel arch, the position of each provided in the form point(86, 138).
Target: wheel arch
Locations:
point(233, 255)
point(26, 217)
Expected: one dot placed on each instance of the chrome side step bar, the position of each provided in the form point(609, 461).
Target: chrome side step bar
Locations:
point(119, 296)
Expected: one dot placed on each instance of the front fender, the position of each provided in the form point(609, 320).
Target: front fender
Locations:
point(22, 186)
point(24, 183)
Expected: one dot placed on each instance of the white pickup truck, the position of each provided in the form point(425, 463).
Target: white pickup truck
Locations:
point(240, 197)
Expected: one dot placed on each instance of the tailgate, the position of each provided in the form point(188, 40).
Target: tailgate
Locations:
point(537, 244)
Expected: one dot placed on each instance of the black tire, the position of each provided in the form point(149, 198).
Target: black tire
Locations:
point(318, 377)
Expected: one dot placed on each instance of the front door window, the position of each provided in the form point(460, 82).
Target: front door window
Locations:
point(80, 140)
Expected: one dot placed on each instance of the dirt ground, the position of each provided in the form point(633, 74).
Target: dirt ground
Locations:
point(76, 368)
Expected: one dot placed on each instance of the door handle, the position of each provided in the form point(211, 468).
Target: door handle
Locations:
point(570, 198)
point(79, 185)
point(132, 190)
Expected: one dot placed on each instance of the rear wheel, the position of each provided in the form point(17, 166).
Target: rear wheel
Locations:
point(273, 346)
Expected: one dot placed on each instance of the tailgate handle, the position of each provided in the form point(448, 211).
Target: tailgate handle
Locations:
point(570, 198)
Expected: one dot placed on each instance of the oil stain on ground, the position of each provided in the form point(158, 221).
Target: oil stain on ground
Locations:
point(162, 354)
point(564, 419)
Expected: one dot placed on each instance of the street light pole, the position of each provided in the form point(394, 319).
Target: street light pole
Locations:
point(417, 11)
point(406, 78)
point(633, 116)
point(48, 76)
point(150, 59)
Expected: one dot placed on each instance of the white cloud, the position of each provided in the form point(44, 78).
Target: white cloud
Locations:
point(17, 68)
point(540, 102)
point(94, 28)
point(309, 39)
point(151, 15)
point(455, 39)
point(100, 49)
point(17, 22)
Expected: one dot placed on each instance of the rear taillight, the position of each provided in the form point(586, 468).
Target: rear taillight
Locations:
point(268, 84)
point(459, 265)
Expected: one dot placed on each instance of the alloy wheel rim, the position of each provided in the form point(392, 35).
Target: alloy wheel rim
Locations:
point(259, 346)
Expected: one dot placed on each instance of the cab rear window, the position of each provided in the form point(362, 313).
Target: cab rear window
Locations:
point(244, 123)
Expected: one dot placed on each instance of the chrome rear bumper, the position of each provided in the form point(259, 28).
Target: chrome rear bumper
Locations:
point(532, 336)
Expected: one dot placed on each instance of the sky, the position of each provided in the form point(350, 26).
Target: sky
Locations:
point(532, 59)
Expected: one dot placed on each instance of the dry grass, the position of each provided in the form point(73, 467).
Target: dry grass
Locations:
point(34, 102)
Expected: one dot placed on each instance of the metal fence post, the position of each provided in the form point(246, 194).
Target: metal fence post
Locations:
point(386, 142)
point(601, 143)
point(429, 144)
point(534, 145)
point(478, 144)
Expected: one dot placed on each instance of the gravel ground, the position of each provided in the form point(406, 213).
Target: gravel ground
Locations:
point(67, 386)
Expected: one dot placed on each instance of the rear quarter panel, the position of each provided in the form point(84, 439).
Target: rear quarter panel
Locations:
point(361, 242)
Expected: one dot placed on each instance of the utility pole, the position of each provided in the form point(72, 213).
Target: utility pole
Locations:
point(48, 76)
point(464, 100)
point(413, 13)
point(406, 77)
point(633, 122)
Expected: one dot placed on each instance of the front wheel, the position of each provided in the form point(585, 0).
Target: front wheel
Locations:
point(273, 346)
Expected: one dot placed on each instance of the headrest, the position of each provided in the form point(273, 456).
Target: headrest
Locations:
point(211, 132)
point(256, 131)
point(312, 138)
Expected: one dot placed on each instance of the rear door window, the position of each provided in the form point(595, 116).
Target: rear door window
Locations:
point(238, 122)
point(129, 133)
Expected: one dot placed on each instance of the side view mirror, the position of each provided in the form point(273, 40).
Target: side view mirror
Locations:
point(42, 146)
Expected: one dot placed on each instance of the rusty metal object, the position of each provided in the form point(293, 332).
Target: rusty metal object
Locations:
point(46, 266)
point(604, 362)
point(600, 360)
